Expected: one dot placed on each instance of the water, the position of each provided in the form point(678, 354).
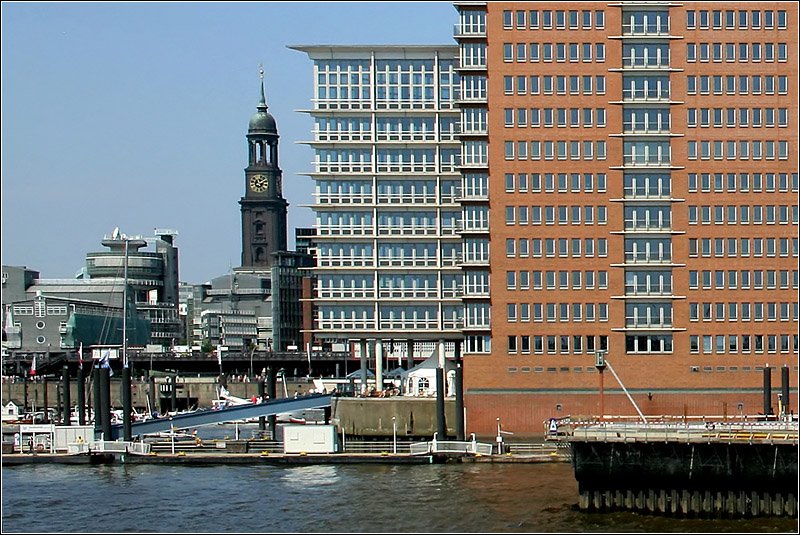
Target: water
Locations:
point(466, 497)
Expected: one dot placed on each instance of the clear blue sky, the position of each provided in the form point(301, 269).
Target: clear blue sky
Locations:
point(134, 115)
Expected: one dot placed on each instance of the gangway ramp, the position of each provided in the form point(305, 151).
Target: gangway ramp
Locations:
point(230, 414)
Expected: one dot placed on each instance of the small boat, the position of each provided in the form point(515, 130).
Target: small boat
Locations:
point(168, 435)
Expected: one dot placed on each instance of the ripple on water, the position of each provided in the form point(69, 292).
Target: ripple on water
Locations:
point(466, 498)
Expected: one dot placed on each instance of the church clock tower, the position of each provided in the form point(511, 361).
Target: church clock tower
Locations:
point(263, 205)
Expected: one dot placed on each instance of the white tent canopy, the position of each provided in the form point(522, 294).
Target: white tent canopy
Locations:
point(420, 381)
point(357, 374)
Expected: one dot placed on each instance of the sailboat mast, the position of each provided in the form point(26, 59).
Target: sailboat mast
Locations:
point(125, 309)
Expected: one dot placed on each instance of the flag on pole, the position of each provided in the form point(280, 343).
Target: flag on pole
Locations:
point(105, 362)
point(33, 365)
point(80, 355)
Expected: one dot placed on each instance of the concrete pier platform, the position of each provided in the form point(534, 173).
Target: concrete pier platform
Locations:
point(218, 458)
point(206, 458)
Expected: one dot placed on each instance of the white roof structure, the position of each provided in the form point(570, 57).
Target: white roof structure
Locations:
point(420, 381)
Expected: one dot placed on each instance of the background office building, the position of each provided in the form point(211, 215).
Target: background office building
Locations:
point(387, 202)
point(51, 318)
point(643, 190)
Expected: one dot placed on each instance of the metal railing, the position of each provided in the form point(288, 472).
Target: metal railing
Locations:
point(450, 446)
point(692, 430)
point(109, 446)
point(350, 446)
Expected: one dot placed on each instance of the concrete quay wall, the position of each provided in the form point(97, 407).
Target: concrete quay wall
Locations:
point(372, 417)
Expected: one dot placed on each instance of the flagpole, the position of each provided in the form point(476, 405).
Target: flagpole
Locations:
point(126, 372)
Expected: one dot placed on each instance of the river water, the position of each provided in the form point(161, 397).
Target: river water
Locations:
point(471, 498)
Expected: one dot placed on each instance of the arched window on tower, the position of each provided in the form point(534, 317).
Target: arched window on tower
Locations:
point(258, 228)
point(259, 254)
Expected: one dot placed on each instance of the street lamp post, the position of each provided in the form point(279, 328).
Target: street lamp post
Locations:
point(172, 434)
point(252, 347)
point(499, 438)
point(394, 435)
point(600, 364)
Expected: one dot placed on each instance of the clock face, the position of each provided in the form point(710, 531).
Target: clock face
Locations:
point(259, 183)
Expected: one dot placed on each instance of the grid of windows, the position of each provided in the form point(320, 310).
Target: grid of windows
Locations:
point(554, 85)
point(742, 247)
point(732, 279)
point(556, 215)
point(406, 145)
point(742, 182)
point(548, 52)
point(552, 247)
point(650, 174)
point(560, 117)
point(737, 117)
point(742, 149)
point(556, 312)
point(557, 344)
point(743, 343)
point(555, 150)
point(741, 84)
point(548, 19)
point(743, 214)
point(747, 311)
point(555, 182)
point(741, 19)
point(552, 280)
point(737, 52)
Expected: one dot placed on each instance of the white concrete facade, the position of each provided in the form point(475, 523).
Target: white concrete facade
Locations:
point(387, 198)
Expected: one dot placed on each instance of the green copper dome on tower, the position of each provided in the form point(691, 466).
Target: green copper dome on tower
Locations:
point(262, 122)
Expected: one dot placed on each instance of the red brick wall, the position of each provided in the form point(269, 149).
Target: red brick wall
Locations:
point(503, 373)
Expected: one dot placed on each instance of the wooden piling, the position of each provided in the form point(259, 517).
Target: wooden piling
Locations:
point(741, 503)
point(597, 503)
point(707, 502)
point(777, 504)
point(765, 506)
point(584, 500)
point(685, 503)
point(619, 499)
point(639, 500)
point(755, 504)
point(661, 501)
point(791, 505)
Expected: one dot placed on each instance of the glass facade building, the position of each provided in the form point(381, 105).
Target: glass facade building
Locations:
point(387, 200)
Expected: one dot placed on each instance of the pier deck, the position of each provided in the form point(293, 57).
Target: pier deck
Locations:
point(732, 468)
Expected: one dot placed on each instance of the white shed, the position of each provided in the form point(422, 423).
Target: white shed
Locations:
point(12, 410)
point(420, 381)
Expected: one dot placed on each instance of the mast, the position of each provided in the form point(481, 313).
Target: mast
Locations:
point(125, 308)
point(126, 372)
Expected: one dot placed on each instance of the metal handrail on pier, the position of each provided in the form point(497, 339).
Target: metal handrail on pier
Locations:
point(435, 446)
point(767, 432)
point(109, 446)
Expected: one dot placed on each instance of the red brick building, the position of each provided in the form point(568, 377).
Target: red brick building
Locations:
point(642, 202)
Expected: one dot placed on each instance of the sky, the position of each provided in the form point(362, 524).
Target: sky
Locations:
point(134, 115)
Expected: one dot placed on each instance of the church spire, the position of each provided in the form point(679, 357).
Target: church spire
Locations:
point(263, 207)
point(262, 104)
point(262, 123)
